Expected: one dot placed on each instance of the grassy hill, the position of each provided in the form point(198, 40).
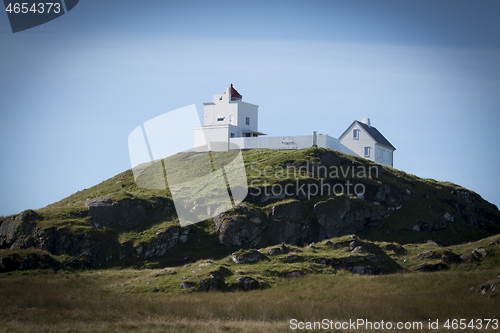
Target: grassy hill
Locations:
point(115, 258)
point(128, 224)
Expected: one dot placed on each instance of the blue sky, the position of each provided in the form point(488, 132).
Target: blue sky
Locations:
point(427, 73)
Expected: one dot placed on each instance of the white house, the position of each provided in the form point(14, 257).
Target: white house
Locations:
point(228, 120)
point(366, 141)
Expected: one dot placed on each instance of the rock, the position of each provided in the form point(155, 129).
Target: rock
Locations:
point(427, 255)
point(213, 283)
point(447, 216)
point(362, 270)
point(479, 253)
point(125, 213)
point(290, 211)
point(277, 250)
point(359, 249)
point(467, 258)
point(354, 244)
point(321, 261)
point(14, 229)
point(186, 285)
point(431, 226)
point(242, 257)
point(294, 273)
point(235, 231)
point(353, 259)
point(425, 267)
point(165, 240)
point(416, 227)
point(247, 283)
point(291, 258)
point(26, 262)
point(295, 233)
point(340, 215)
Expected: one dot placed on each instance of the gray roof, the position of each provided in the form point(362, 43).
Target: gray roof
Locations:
point(376, 135)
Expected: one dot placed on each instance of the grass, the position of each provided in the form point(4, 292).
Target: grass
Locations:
point(120, 299)
point(151, 300)
point(90, 301)
point(429, 202)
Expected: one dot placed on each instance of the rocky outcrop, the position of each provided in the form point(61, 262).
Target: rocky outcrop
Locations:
point(243, 257)
point(342, 215)
point(242, 225)
point(22, 231)
point(15, 229)
point(126, 212)
point(164, 241)
point(27, 261)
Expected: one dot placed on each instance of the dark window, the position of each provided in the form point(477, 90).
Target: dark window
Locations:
point(247, 121)
point(232, 135)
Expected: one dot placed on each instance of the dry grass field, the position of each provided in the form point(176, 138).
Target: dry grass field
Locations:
point(44, 301)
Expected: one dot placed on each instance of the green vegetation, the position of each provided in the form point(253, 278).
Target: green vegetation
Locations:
point(132, 292)
point(149, 300)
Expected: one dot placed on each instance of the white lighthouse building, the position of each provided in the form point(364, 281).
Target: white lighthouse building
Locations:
point(230, 123)
point(226, 117)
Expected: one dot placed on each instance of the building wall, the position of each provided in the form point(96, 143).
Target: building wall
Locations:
point(327, 141)
point(214, 133)
point(226, 110)
point(358, 145)
point(232, 112)
point(250, 111)
point(291, 142)
point(383, 155)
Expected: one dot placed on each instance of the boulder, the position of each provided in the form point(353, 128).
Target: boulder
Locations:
point(359, 249)
point(294, 273)
point(290, 211)
point(247, 283)
point(277, 250)
point(242, 257)
point(14, 229)
point(362, 270)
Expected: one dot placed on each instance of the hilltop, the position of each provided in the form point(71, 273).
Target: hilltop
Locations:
point(118, 224)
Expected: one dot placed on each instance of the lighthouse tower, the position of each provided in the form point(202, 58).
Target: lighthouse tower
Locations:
point(226, 117)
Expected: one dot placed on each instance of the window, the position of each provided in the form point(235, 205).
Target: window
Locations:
point(220, 118)
point(232, 135)
point(248, 135)
point(247, 121)
point(367, 151)
point(355, 134)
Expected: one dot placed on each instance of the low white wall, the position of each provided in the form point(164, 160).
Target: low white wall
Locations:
point(291, 142)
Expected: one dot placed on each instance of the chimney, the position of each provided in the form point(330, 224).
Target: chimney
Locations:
point(315, 139)
point(366, 121)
